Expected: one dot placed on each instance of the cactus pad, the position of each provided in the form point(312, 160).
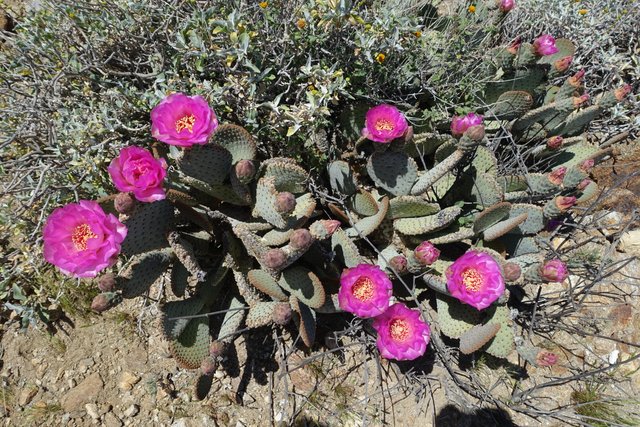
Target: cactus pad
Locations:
point(454, 317)
point(341, 178)
point(503, 227)
point(345, 249)
point(238, 142)
point(147, 227)
point(534, 222)
point(261, 314)
point(410, 207)
point(192, 346)
point(286, 174)
point(365, 204)
point(511, 104)
point(503, 343)
point(476, 337)
point(143, 271)
point(172, 324)
point(306, 321)
point(208, 163)
point(305, 285)
point(264, 282)
point(368, 225)
point(394, 171)
point(491, 215)
point(426, 224)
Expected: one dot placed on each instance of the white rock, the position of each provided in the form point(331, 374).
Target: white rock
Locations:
point(630, 242)
point(613, 357)
point(92, 410)
point(132, 411)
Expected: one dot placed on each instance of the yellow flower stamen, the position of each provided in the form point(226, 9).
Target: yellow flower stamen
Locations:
point(383, 124)
point(399, 329)
point(472, 279)
point(80, 235)
point(186, 122)
point(363, 289)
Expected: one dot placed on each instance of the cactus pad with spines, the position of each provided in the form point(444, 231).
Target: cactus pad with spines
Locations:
point(393, 171)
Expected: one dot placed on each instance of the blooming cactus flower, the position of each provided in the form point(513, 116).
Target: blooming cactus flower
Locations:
point(426, 253)
point(506, 5)
point(402, 334)
point(136, 170)
point(475, 279)
point(459, 125)
point(81, 239)
point(554, 271)
point(365, 290)
point(545, 45)
point(384, 123)
point(183, 120)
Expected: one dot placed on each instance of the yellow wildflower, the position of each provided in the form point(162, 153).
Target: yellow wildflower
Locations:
point(472, 9)
point(301, 23)
point(583, 12)
point(380, 57)
point(418, 33)
point(263, 4)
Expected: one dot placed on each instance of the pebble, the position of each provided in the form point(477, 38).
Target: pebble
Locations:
point(630, 242)
point(92, 410)
point(110, 420)
point(85, 392)
point(128, 380)
point(132, 411)
point(27, 395)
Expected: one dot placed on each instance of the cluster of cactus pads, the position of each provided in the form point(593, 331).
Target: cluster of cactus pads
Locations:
point(247, 238)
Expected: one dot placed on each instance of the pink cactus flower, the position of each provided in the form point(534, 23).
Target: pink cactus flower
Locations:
point(565, 202)
point(507, 5)
point(183, 120)
point(81, 239)
point(546, 358)
point(556, 176)
point(384, 123)
point(426, 253)
point(459, 125)
point(136, 170)
point(365, 290)
point(554, 271)
point(475, 279)
point(545, 45)
point(402, 334)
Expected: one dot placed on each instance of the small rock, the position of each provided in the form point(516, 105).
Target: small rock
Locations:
point(182, 422)
point(27, 395)
point(92, 410)
point(72, 383)
point(128, 380)
point(65, 418)
point(110, 420)
point(85, 392)
point(630, 242)
point(132, 411)
point(85, 364)
point(105, 408)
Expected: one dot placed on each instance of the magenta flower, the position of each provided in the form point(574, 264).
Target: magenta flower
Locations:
point(545, 45)
point(402, 334)
point(81, 239)
point(365, 290)
point(426, 253)
point(554, 271)
point(183, 120)
point(459, 125)
point(507, 5)
point(136, 170)
point(384, 123)
point(475, 279)
point(546, 358)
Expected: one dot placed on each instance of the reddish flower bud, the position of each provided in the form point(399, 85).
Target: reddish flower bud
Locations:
point(217, 348)
point(105, 301)
point(398, 263)
point(245, 171)
point(506, 5)
point(285, 202)
point(282, 314)
point(576, 79)
point(124, 203)
point(565, 202)
point(208, 366)
point(475, 133)
point(546, 358)
point(300, 238)
point(512, 271)
point(584, 184)
point(274, 258)
point(557, 175)
point(514, 46)
point(587, 165)
point(579, 100)
point(426, 253)
point(622, 92)
point(554, 142)
point(554, 271)
point(562, 65)
point(107, 282)
point(324, 228)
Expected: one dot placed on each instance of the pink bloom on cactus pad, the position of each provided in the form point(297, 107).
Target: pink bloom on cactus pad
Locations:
point(183, 120)
point(365, 290)
point(507, 5)
point(459, 125)
point(384, 123)
point(81, 239)
point(402, 334)
point(545, 45)
point(554, 271)
point(475, 279)
point(426, 253)
point(136, 170)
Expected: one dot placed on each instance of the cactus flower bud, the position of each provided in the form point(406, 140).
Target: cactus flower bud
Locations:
point(300, 239)
point(546, 358)
point(583, 184)
point(576, 79)
point(622, 92)
point(324, 228)
point(512, 271)
point(557, 175)
point(554, 142)
point(459, 125)
point(562, 65)
point(245, 171)
point(124, 203)
point(217, 348)
point(208, 366)
point(586, 165)
point(282, 314)
point(475, 133)
point(274, 258)
point(104, 301)
point(554, 271)
point(107, 282)
point(565, 202)
point(398, 263)
point(506, 5)
point(579, 100)
point(514, 46)
point(426, 253)
point(545, 45)
point(285, 202)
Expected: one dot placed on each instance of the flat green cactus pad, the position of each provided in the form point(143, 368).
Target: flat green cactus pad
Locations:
point(454, 317)
point(304, 285)
point(411, 207)
point(236, 140)
point(306, 321)
point(208, 163)
point(261, 314)
point(173, 323)
point(264, 282)
point(503, 343)
point(368, 225)
point(147, 227)
point(427, 224)
point(192, 346)
point(341, 178)
point(476, 337)
point(491, 215)
point(143, 271)
point(287, 175)
point(393, 170)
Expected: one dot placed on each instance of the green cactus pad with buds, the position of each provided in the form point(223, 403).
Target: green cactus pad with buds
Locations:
point(393, 171)
point(454, 317)
point(476, 337)
point(236, 140)
point(261, 314)
point(304, 285)
point(503, 343)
